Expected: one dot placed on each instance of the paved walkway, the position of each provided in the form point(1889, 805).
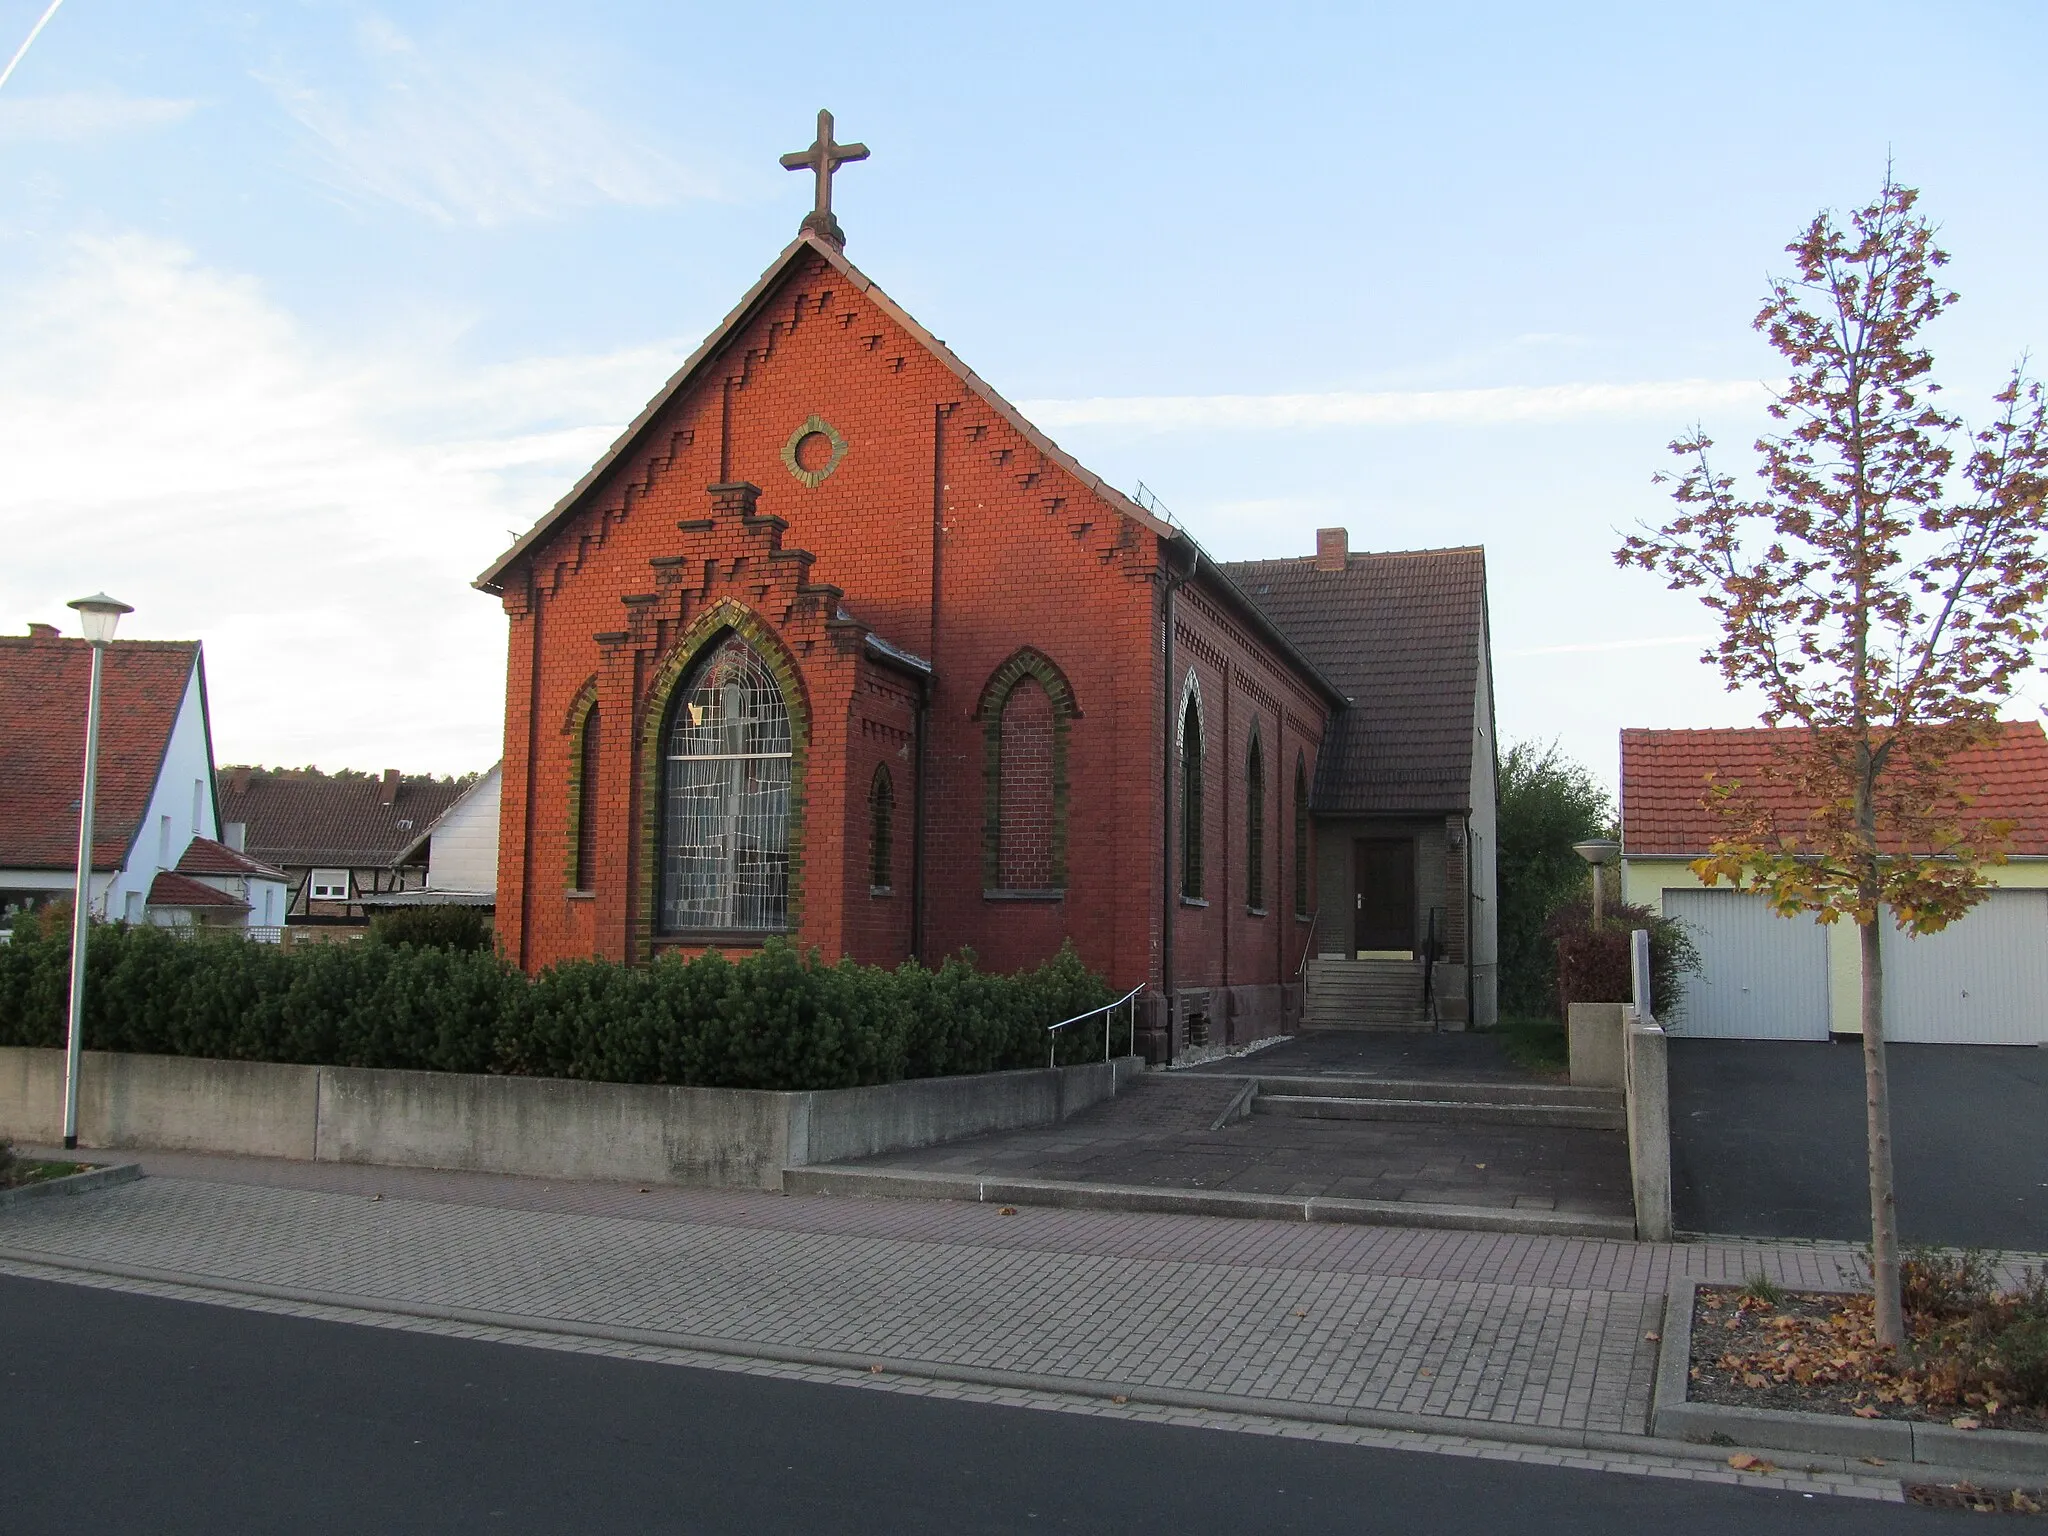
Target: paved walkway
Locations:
point(1484, 1333)
point(1157, 1133)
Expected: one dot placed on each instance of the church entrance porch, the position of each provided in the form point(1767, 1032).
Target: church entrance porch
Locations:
point(1383, 898)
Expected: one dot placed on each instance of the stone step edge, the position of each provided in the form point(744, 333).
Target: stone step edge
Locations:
point(1478, 1432)
point(1579, 1117)
point(1430, 1090)
point(914, 1184)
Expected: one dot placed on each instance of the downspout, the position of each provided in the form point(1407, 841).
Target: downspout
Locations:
point(1168, 896)
point(917, 940)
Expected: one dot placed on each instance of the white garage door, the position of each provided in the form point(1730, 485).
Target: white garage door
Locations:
point(1762, 977)
point(1981, 981)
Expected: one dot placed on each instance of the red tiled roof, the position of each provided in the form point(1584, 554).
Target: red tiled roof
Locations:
point(204, 856)
point(305, 820)
point(43, 684)
point(1664, 778)
point(170, 889)
point(1403, 634)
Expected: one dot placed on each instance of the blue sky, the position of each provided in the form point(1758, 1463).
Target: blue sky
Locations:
point(304, 308)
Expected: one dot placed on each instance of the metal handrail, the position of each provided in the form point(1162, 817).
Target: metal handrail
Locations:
point(1052, 1045)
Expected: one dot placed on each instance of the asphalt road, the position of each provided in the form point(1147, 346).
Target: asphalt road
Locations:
point(125, 1413)
point(1767, 1140)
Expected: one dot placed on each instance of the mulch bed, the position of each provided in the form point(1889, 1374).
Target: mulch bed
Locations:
point(1983, 1501)
point(1817, 1352)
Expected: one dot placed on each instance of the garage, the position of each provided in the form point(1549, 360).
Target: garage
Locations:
point(1762, 977)
point(1980, 981)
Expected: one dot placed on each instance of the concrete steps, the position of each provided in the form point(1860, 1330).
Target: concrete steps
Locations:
point(1337, 1098)
point(1365, 994)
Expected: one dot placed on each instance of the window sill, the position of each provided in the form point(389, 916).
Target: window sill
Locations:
point(1254, 911)
point(1194, 901)
point(881, 890)
point(1052, 895)
point(580, 895)
point(724, 938)
point(1304, 917)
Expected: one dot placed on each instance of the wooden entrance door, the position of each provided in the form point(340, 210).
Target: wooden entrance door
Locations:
point(1383, 870)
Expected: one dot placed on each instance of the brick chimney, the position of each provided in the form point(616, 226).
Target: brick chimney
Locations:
point(1333, 549)
point(43, 632)
point(388, 794)
point(238, 781)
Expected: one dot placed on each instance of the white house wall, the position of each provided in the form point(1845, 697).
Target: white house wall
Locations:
point(462, 855)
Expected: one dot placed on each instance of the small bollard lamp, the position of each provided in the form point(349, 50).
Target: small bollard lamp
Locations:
point(1598, 852)
point(99, 616)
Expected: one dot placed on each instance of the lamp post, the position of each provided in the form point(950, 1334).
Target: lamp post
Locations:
point(1598, 852)
point(99, 615)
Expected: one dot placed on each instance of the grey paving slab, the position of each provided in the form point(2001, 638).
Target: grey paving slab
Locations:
point(1158, 1133)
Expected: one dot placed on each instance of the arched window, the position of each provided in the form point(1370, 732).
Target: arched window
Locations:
point(881, 832)
point(1191, 800)
point(1024, 822)
point(1301, 869)
point(1255, 826)
point(725, 821)
point(585, 874)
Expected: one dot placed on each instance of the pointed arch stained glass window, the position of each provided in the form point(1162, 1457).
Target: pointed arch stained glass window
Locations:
point(725, 829)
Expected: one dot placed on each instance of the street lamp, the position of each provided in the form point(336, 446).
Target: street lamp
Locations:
point(99, 615)
point(1598, 852)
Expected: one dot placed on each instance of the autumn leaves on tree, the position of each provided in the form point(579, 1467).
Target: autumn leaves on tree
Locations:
point(1881, 588)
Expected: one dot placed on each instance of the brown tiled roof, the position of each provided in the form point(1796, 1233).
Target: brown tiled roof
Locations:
point(204, 856)
point(1664, 812)
point(304, 820)
point(43, 684)
point(1403, 634)
point(170, 889)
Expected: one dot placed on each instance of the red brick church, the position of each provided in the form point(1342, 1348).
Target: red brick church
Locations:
point(834, 644)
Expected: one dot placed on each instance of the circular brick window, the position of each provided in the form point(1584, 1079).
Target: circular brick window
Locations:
point(813, 450)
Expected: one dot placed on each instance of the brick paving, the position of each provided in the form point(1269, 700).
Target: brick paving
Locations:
point(1157, 1133)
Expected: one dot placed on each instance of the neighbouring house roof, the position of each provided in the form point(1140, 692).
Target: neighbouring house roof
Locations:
point(204, 856)
point(1404, 635)
point(43, 686)
point(171, 889)
point(299, 819)
point(1664, 776)
point(417, 849)
point(428, 898)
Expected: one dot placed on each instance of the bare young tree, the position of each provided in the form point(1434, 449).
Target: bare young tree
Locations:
point(1882, 590)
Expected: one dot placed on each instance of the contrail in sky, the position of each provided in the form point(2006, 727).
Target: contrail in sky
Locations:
point(33, 33)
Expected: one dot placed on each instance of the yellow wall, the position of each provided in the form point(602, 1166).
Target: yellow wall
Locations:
point(1644, 882)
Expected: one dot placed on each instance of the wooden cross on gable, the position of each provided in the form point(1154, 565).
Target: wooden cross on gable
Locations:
point(823, 158)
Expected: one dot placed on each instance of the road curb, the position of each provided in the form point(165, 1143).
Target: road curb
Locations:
point(71, 1184)
point(914, 1184)
point(1907, 1442)
point(1469, 1431)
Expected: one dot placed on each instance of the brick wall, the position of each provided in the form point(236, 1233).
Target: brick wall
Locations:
point(940, 528)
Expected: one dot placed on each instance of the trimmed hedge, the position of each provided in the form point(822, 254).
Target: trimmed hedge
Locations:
point(775, 1019)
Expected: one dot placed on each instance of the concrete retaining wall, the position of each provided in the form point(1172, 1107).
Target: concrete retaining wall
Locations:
point(545, 1127)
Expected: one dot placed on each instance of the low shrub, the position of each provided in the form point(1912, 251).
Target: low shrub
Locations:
point(1593, 963)
point(773, 1019)
point(1943, 1285)
point(436, 927)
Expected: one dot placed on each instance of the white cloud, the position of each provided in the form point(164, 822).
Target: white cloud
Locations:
point(464, 139)
point(1399, 408)
point(315, 516)
point(71, 117)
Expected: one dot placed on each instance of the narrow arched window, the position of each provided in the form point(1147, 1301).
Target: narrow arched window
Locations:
point(1301, 869)
point(881, 833)
point(1255, 826)
point(586, 802)
point(1191, 801)
point(1024, 823)
point(725, 806)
